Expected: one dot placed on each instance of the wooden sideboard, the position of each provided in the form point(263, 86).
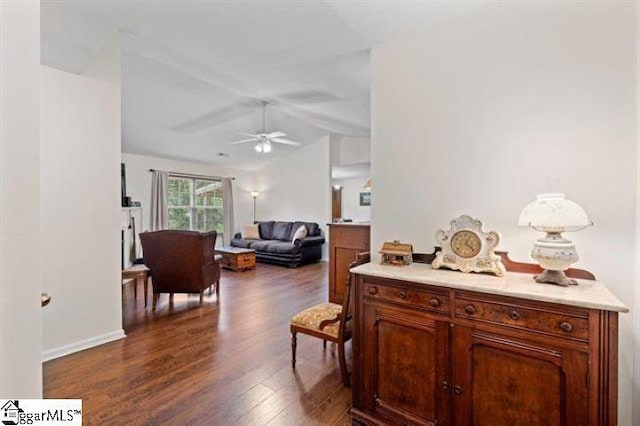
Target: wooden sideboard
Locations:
point(442, 347)
point(346, 240)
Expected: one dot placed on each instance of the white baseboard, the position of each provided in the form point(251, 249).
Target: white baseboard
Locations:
point(50, 354)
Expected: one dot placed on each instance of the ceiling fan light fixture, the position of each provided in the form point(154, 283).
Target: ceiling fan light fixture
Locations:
point(258, 147)
point(266, 147)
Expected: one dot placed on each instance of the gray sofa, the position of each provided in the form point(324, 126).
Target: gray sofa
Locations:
point(276, 243)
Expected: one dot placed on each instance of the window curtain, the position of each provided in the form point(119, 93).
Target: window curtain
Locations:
point(159, 200)
point(227, 212)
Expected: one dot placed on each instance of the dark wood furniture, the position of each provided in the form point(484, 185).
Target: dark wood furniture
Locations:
point(237, 259)
point(336, 203)
point(328, 321)
point(441, 347)
point(136, 272)
point(346, 240)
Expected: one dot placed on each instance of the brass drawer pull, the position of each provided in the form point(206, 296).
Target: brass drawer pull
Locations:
point(457, 390)
point(566, 327)
point(445, 385)
point(514, 315)
point(403, 295)
point(434, 302)
point(470, 309)
point(373, 290)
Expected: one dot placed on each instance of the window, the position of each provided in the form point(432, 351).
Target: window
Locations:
point(195, 204)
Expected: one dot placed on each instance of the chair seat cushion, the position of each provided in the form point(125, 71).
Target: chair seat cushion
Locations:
point(312, 317)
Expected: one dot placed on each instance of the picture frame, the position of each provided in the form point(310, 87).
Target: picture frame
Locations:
point(365, 198)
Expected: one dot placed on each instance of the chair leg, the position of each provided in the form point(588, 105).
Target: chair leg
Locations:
point(171, 298)
point(343, 365)
point(324, 344)
point(201, 297)
point(135, 288)
point(293, 349)
point(218, 289)
point(154, 301)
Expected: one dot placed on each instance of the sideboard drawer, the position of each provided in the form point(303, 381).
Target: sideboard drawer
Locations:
point(572, 325)
point(416, 298)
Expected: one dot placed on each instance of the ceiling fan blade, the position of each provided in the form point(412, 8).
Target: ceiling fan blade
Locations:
point(249, 134)
point(244, 141)
point(285, 141)
point(276, 135)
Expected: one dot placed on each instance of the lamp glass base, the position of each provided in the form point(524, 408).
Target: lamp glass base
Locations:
point(554, 277)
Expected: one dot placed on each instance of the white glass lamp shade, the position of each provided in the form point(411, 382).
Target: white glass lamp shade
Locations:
point(255, 194)
point(553, 213)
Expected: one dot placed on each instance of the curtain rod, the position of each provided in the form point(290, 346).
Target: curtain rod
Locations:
point(189, 175)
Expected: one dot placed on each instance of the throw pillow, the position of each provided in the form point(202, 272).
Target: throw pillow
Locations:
point(301, 232)
point(250, 232)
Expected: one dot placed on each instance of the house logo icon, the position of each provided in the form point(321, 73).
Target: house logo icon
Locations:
point(9, 412)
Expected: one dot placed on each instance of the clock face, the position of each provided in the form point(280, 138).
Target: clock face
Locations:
point(466, 244)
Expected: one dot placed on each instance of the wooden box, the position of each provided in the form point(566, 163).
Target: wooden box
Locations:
point(396, 253)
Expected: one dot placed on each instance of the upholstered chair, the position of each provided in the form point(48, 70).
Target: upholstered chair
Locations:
point(329, 322)
point(181, 262)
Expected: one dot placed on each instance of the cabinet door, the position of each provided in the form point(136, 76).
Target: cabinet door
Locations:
point(504, 381)
point(406, 366)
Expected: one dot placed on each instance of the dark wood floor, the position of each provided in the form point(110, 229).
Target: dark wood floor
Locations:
point(227, 363)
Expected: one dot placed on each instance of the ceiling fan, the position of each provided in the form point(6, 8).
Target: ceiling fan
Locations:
point(263, 139)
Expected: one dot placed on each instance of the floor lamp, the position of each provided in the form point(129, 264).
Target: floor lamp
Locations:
point(254, 195)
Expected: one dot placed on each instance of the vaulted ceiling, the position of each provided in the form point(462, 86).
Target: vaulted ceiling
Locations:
point(194, 72)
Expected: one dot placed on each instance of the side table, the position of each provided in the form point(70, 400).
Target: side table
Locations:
point(135, 272)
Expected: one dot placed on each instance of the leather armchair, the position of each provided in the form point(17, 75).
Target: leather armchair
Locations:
point(181, 262)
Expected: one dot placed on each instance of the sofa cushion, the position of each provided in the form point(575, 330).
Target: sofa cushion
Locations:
point(265, 229)
point(282, 231)
point(262, 245)
point(281, 247)
point(313, 230)
point(250, 232)
point(242, 242)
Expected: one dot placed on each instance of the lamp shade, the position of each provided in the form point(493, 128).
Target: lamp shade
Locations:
point(254, 194)
point(553, 213)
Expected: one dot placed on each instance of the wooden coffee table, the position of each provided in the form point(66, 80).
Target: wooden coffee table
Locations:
point(237, 259)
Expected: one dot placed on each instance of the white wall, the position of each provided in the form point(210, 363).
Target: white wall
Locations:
point(80, 199)
point(20, 312)
point(483, 112)
point(636, 303)
point(351, 208)
point(297, 187)
point(139, 183)
point(347, 150)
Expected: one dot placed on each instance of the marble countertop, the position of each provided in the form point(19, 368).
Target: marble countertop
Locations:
point(587, 294)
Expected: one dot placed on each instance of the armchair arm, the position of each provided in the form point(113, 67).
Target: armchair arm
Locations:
point(312, 241)
point(327, 322)
point(211, 272)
